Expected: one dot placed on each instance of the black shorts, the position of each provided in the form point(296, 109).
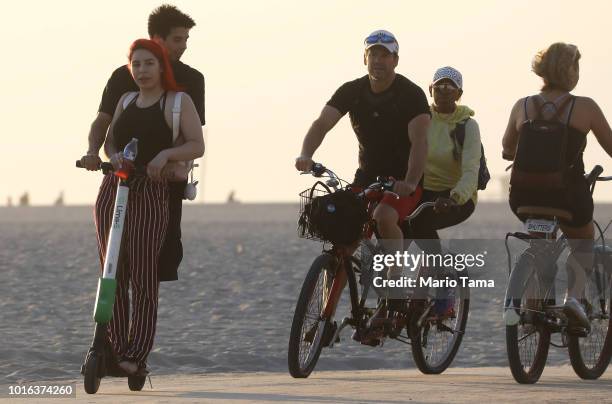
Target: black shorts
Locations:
point(171, 253)
point(576, 199)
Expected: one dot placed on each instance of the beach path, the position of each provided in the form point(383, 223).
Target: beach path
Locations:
point(489, 384)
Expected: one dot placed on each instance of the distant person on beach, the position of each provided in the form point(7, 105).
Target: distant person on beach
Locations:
point(169, 27)
point(390, 116)
point(147, 117)
point(451, 172)
point(559, 69)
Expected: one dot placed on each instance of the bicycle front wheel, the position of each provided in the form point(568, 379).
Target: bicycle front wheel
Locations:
point(527, 342)
point(436, 340)
point(308, 329)
point(590, 355)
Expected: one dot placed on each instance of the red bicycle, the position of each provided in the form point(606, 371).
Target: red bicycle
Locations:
point(434, 339)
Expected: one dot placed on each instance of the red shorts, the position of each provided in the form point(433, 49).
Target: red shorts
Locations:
point(404, 205)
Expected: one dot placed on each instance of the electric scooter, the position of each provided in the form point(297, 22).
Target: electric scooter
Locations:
point(100, 360)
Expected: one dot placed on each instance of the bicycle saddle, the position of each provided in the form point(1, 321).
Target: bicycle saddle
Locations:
point(543, 211)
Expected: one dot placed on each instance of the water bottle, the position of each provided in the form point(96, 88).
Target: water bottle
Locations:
point(130, 151)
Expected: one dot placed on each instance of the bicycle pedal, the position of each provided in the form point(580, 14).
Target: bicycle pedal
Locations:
point(328, 333)
point(578, 332)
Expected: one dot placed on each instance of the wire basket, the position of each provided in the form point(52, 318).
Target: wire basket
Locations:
point(336, 217)
point(306, 229)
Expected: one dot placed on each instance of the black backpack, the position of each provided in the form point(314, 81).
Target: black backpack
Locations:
point(483, 172)
point(540, 162)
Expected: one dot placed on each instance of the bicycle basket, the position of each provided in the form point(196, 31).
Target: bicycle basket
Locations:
point(336, 217)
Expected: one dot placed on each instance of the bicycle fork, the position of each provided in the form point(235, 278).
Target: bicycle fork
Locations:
point(344, 274)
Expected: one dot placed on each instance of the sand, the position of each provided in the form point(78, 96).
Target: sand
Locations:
point(229, 316)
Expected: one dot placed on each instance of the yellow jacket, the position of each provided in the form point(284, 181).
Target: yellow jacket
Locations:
point(443, 171)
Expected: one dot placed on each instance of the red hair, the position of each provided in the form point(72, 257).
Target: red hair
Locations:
point(167, 76)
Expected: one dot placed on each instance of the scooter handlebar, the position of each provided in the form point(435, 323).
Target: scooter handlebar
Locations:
point(104, 166)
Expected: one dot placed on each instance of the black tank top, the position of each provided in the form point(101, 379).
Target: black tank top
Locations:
point(576, 140)
point(148, 125)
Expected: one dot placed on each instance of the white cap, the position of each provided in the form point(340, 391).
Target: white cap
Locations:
point(450, 73)
point(382, 38)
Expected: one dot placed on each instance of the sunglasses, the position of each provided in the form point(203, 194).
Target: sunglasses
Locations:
point(444, 87)
point(381, 37)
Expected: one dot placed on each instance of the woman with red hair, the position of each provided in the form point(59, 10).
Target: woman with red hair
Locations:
point(146, 116)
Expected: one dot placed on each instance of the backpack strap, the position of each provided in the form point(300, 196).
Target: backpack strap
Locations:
point(561, 107)
point(176, 125)
point(539, 104)
point(525, 106)
point(459, 131)
point(571, 109)
point(176, 116)
point(129, 98)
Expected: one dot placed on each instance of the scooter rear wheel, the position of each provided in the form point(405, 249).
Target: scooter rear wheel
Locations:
point(136, 383)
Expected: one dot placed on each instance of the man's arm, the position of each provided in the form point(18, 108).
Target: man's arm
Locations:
point(417, 132)
point(99, 127)
point(97, 133)
point(324, 123)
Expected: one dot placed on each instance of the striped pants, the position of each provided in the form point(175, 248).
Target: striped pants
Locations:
point(144, 231)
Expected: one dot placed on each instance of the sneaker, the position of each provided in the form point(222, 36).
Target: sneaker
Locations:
point(444, 305)
point(310, 334)
point(444, 308)
point(576, 314)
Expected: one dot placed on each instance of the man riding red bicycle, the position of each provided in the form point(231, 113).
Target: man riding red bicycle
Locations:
point(390, 116)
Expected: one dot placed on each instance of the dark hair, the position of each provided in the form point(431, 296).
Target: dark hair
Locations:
point(166, 17)
point(167, 76)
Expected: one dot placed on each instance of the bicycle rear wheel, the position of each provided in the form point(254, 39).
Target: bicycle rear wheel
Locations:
point(436, 341)
point(308, 329)
point(528, 341)
point(590, 355)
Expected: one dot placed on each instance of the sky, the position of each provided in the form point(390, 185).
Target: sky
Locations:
point(270, 66)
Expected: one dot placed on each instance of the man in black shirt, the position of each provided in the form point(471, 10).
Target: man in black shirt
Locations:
point(170, 28)
point(390, 116)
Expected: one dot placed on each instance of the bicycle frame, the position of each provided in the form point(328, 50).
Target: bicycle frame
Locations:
point(553, 247)
point(344, 271)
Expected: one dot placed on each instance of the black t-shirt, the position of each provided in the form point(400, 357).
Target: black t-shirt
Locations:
point(121, 82)
point(380, 122)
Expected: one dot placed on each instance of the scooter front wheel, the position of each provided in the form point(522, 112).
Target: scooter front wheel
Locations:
point(91, 376)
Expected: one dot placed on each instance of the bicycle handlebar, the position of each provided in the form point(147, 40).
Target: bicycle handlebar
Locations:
point(592, 176)
point(419, 209)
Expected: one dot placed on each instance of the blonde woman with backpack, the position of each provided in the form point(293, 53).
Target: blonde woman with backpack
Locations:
point(569, 118)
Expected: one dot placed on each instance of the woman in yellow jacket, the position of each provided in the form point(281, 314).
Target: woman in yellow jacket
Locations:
point(451, 172)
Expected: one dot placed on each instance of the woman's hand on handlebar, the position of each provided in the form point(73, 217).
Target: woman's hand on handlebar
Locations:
point(404, 188)
point(303, 163)
point(443, 205)
point(156, 166)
